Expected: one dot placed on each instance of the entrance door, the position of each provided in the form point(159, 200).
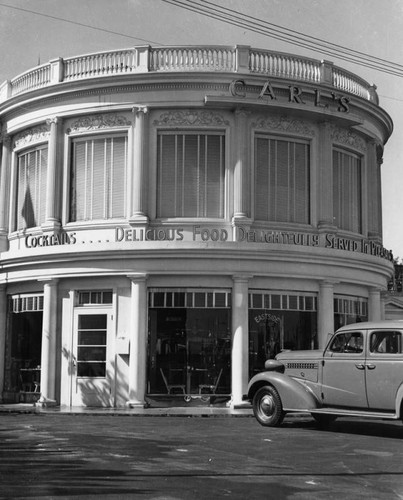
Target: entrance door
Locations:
point(92, 363)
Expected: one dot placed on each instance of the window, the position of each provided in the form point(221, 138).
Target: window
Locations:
point(91, 345)
point(347, 191)
point(347, 342)
point(386, 342)
point(98, 178)
point(191, 171)
point(282, 180)
point(31, 188)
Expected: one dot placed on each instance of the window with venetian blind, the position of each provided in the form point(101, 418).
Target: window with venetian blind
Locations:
point(282, 180)
point(31, 187)
point(191, 174)
point(98, 178)
point(347, 197)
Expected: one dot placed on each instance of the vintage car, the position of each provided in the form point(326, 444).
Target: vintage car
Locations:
point(358, 374)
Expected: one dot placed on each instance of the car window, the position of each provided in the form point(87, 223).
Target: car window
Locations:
point(347, 342)
point(386, 342)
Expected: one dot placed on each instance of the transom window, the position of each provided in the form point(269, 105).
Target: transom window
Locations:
point(282, 180)
point(31, 188)
point(191, 172)
point(98, 178)
point(347, 191)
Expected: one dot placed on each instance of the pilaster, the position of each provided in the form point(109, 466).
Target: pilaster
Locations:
point(52, 222)
point(4, 188)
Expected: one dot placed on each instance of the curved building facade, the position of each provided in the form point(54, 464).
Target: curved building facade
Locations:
point(171, 217)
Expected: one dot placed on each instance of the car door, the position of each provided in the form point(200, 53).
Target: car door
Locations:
point(343, 371)
point(384, 368)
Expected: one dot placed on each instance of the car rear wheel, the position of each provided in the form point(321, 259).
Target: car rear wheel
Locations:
point(324, 419)
point(267, 406)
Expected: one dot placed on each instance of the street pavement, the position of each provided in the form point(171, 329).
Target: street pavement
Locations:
point(56, 455)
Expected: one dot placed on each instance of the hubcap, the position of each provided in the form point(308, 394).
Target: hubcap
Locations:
point(266, 405)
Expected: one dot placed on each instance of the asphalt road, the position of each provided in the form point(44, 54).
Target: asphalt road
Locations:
point(122, 457)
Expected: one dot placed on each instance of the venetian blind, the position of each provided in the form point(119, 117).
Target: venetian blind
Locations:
point(31, 188)
point(347, 191)
point(191, 169)
point(98, 178)
point(282, 179)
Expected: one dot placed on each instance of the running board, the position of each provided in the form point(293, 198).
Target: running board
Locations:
point(347, 413)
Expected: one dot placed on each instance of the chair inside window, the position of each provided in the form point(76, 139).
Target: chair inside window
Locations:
point(211, 388)
point(172, 387)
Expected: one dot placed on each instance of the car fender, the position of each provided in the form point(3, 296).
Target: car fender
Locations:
point(399, 402)
point(294, 395)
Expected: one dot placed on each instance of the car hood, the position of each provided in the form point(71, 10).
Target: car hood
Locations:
point(299, 355)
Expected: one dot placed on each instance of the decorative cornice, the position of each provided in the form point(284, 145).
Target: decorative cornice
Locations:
point(348, 138)
point(97, 122)
point(32, 135)
point(284, 123)
point(193, 117)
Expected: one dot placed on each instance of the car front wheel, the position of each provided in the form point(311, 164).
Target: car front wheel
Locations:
point(267, 406)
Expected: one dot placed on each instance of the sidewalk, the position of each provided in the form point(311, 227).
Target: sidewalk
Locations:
point(183, 411)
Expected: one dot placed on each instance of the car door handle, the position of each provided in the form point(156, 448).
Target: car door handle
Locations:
point(371, 367)
point(360, 366)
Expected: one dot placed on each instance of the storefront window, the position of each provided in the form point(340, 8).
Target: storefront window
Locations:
point(349, 310)
point(23, 349)
point(189, 343)
point(279, 321)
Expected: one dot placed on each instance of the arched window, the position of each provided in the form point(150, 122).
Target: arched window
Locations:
point(98, 178)
point(282, 180)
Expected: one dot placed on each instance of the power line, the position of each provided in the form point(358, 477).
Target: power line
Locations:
point(239, 20)
point(78, 24)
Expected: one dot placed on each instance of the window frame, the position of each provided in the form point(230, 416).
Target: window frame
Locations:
point(155, 182)
point(308, 142)
point(87, 135)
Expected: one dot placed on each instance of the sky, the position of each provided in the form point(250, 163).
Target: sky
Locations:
point(37, 31)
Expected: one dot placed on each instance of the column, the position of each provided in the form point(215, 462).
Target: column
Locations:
point(325, 179)
point(374, 304)
point(139, 198)
point(4, 192)
point(48, 354)
point(241, 184)
point(52, 199)
point(325, 312)
point(240, 339)
point(3, 331)
point(138, 340)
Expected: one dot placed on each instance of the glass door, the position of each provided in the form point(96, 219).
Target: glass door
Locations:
point(92, 365)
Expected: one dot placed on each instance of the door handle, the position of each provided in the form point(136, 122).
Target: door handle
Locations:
point(371, 367)
point(360, 366)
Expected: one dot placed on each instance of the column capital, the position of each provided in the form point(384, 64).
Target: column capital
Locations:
point(49, 281)
point(242, 278)
point(5, 139)
point(328, 283)
point(140, 109)
point(53, 120)
point(137, 277)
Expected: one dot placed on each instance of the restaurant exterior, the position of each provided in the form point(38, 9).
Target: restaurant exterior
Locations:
point(172, 217)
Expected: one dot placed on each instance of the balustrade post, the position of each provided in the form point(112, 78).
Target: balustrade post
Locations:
point(56, 70)
point(142, 59)
point(242, 58)
point(5, 90)
point(326, 72)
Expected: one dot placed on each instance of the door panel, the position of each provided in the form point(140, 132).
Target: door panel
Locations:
point(92, 363)
point(343, 382)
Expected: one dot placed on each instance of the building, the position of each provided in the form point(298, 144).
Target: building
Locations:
point(171, 217)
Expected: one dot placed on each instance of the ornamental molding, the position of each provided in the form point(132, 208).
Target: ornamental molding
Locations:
point(284, 124)
point(99, 122)
point(348, 138)
point(195, 118)
point(32, 135)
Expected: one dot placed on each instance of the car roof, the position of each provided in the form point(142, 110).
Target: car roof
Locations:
point(371, 325)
